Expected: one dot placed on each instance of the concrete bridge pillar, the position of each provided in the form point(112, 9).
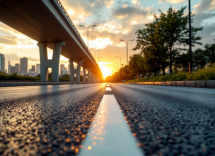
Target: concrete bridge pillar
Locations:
point(84, 74)
point(89, 75)
point(93, 78)
point(45, 63)
point(75, 71)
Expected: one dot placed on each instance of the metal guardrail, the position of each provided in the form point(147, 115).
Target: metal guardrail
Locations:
point(60, 4)
point(63, 9)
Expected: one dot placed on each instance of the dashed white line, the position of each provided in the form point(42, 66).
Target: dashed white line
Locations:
point(108, 89)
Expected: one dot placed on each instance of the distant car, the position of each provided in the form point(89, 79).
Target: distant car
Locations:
point(123, 81)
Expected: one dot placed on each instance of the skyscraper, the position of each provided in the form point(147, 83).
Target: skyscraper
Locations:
point(9, 68)
point(62, 66)
point(12, 69)
point(33, 68)
point(17, 67)
point(38, 68)
point(24, 64)
point(2, 63)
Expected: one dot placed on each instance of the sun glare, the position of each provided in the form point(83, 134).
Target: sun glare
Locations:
point(106, 71)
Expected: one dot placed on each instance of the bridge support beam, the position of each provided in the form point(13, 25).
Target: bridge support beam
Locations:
point(84, 74)
point(45, 63)
point(92, 78)
point(75, 71)
point(89, 75)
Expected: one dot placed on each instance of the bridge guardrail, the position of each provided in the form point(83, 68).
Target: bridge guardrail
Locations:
point(61, 5)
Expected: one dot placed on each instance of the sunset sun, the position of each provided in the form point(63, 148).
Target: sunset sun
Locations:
point(106, 71)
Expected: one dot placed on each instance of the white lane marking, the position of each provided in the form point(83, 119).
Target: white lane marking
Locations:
point(108, 89)
point(108, 85)
point(109, 134)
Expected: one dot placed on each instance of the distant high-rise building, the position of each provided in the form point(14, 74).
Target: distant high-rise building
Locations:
point(38, 68)
point(9, 68)
point(2, 63)
point(62, 67)
point(12, 69)
point(17, 67)
point(33, 68)
point(24, 64)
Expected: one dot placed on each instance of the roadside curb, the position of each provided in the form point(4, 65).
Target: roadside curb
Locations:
point(197, 84)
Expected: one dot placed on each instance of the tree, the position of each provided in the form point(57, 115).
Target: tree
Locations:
point(136, 65)
point(174, 25)
point(124, 73)
point(210, 53)
point(199, 58)
point(182, 62)
point(150, 40)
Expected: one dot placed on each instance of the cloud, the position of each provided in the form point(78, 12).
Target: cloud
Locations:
point(109, 3)
point(125, 6)
point(126, 11)
point(200, 17)
point(205, 5)
point(171, 1)
point(10, 38)
point(8, 41)
point(208, 34)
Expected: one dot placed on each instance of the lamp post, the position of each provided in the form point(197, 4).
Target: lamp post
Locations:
point(190, 41)
point(96, 52)
point(126, 48)
point(98, 61)
point(87, 32)
point(98, 56)
point(114, 68)
point(119, 61)
point(117, 66)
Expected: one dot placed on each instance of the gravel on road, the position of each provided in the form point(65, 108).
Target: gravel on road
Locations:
point(169, 121)
point(47, 120)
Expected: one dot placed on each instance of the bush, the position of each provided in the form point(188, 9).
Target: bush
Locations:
point(14, 76)
point(200, 74)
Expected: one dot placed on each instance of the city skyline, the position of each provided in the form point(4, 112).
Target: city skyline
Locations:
point(26, 69)
point(115, 20)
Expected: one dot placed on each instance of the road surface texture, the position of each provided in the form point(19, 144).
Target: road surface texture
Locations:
point(55, 120)
point(169, 120)
point(46, 120)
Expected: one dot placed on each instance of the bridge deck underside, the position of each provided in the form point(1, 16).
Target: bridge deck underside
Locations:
point(33, 19)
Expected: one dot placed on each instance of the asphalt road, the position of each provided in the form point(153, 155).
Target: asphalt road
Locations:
point(46, 120)
point(169, 120)
point(54, 120)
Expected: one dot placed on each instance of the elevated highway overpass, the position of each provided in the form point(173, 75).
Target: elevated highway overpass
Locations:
point(47, 22)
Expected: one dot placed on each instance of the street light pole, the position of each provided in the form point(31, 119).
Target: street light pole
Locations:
point(126, 48)
point(119, 61)
point(87, 33)
point(190, 41)
point(98, 56)
point(96, 52)
point(117, 66)
point(98, 61)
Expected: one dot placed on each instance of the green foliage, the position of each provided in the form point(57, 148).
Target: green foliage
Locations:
point(160, 40)
point(14, 76)
point(163, 44)
point(200, 74)
point(66, 77)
